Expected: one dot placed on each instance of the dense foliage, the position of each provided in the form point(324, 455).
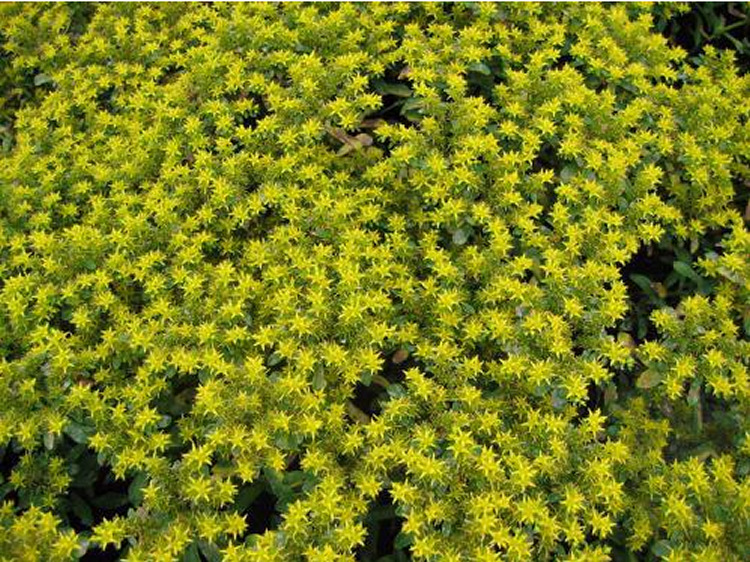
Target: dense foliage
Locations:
point(295, 282)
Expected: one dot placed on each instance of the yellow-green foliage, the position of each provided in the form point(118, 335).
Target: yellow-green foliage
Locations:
point(208, 247)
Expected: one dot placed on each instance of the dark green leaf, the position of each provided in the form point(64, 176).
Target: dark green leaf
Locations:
point(247, 496)
point(403, 540)
point(135, 490)
point(191, 554)
point(381, 513)
point(110, 501)
point(687, 272)
point(81, 509)
point(643, 282)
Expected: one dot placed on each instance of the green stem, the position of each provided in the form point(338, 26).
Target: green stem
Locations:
point(730, 27)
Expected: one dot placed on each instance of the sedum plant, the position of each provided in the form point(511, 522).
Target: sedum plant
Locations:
point(370, 257)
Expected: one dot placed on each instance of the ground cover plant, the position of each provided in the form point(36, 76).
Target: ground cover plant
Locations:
point(441, 282)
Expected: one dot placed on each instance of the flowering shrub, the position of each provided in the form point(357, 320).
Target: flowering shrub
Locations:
point(373, 263)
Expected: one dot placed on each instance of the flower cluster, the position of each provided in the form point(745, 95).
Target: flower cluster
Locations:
point(345, 252)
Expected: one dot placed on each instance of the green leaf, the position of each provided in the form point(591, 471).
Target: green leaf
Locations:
point(388, 88)
point(6, 489)
point(381, 513)
point(687, 272)
point(41, 79)
point(460, 236)
point(395, 390)
point(135, 490)
point(403, 540)
point(412, 104)
point(649, 379)
point(694, 394)
point(274, 359)
point(209, 551)
point(731, 275)
point(191, 554)
point(288, 442)
point(49, 440)
point(247, 496)
point(568, 172)
point(110, 501)
point(647, 286)
point(412, 115)
point(319, 379)
point(610, 394)
point(643, 282)
point(642, 327)
point(402, 556)
point(78, 432)
point(481, 68)
point(661, 548)
point(81, 509)
point(673, 279)
point(703, 451)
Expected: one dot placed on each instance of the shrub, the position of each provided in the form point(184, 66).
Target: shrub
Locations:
point(383, 269)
